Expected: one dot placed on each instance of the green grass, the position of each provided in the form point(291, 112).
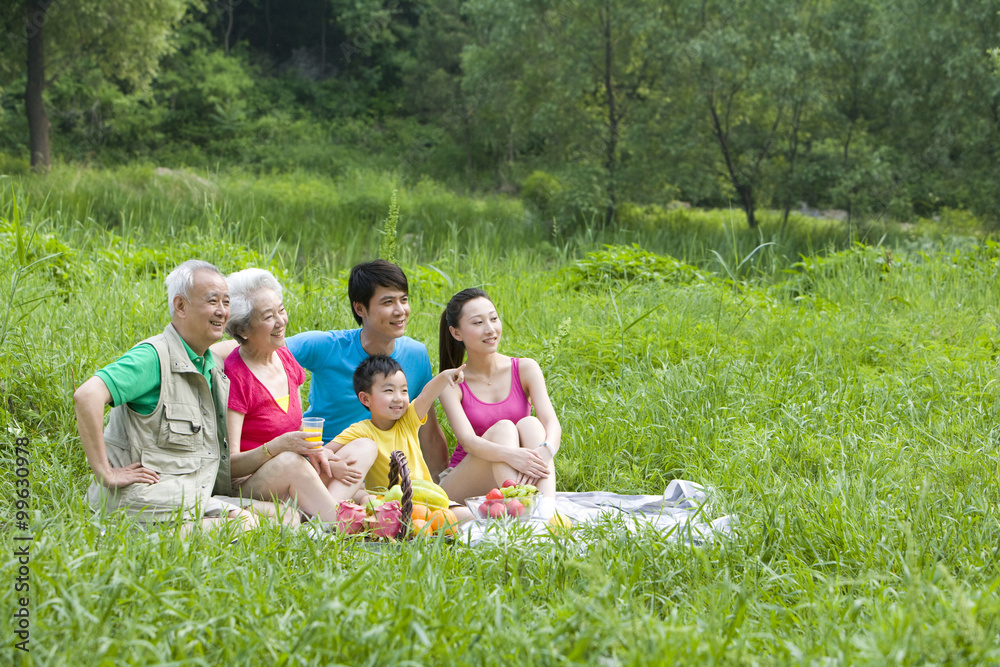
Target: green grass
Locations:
point(844, 409)
point(317, 220)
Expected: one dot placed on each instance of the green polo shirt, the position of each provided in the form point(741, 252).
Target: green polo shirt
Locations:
point(135, 377)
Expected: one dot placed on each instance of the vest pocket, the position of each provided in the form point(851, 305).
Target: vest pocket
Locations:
point(166, 463)
point(183, 428)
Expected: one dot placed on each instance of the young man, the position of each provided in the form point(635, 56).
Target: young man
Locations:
point(379, 295)
point(164, 452)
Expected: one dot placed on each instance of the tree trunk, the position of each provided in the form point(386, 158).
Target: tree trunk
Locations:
point(467, 121)
point(746, 194)
point(38, 120)
point(270, 31)
point(229, 24)
point(612, 145)
point(796, 121)
point(322, 40)
point(743, 189)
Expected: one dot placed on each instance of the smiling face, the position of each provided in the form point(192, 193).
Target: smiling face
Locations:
point(479, 326)
point(387, 400)
point(201, 319)
point(267, 322)
point(386, 315)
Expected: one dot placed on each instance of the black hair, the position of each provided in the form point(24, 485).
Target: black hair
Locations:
point(368, 277)
point(372, 367)
point(450, 350)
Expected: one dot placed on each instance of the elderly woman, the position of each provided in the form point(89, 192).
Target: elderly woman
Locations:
point(272, 458)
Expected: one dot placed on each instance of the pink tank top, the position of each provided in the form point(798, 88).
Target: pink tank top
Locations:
point(484, 415)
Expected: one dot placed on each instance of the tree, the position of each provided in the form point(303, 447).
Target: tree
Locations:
point(939, 111)
point(124, 39)
point(583, 67)
point(750, 63)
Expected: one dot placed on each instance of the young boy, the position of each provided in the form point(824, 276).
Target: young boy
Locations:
point(380, 384)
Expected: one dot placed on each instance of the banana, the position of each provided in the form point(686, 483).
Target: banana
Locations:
point(428, 485)
point(430, 494)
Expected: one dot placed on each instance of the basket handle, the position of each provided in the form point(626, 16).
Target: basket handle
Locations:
point(399, 473)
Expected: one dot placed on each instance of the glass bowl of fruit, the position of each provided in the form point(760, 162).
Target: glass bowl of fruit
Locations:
point(513, 501)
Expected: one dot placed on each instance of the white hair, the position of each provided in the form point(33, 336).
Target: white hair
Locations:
point(243, 288)
point(180, 281)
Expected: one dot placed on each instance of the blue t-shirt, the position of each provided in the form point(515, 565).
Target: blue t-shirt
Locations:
point(332, 356)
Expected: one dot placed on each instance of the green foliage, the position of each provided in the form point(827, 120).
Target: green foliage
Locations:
point(542, 190)
point(850, 428)
point(387, 248)
point(623, 264)
point(760, 105)
point(867, 261)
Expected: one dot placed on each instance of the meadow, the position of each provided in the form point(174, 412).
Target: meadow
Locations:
point(839, 399)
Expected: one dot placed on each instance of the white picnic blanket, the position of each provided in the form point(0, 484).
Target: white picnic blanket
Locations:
point(683, 512)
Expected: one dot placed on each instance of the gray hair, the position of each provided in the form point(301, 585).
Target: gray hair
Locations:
point(243, 288)
point(180, 281)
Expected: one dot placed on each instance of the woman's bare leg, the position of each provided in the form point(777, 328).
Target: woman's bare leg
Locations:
point(475, 476)
point(289, 476)
point(532, 434)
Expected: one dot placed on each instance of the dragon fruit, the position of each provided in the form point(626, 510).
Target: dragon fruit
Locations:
point(388, 520)
point(350, 517)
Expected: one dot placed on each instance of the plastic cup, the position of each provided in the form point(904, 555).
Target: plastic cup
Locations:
point(314, 424)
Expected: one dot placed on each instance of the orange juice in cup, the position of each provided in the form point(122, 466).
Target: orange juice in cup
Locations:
point(314, 424)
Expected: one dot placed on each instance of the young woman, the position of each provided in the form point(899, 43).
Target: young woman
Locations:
point(490, 413)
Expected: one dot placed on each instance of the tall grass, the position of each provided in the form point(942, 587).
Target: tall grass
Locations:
point(313, 218)
point(844, 412)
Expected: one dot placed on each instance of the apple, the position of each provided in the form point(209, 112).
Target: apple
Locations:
point(497, 510)
point(509, 482)
point(484, 509)
point(515, 508)
point(494, 494)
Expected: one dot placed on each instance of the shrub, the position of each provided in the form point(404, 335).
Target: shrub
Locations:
point(624, 264)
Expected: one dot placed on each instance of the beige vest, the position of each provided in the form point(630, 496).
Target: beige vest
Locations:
point(184, 440)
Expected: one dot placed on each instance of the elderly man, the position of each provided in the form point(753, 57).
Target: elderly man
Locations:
point(164, 453)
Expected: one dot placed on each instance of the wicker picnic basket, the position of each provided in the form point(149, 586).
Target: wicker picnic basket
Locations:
point(399, 473)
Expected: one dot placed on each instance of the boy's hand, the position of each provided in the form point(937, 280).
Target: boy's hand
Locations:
point(344, 470)
point(321, 459)
point(455, 376)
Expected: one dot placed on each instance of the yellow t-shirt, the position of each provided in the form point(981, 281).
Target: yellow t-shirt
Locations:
point(402, 436)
